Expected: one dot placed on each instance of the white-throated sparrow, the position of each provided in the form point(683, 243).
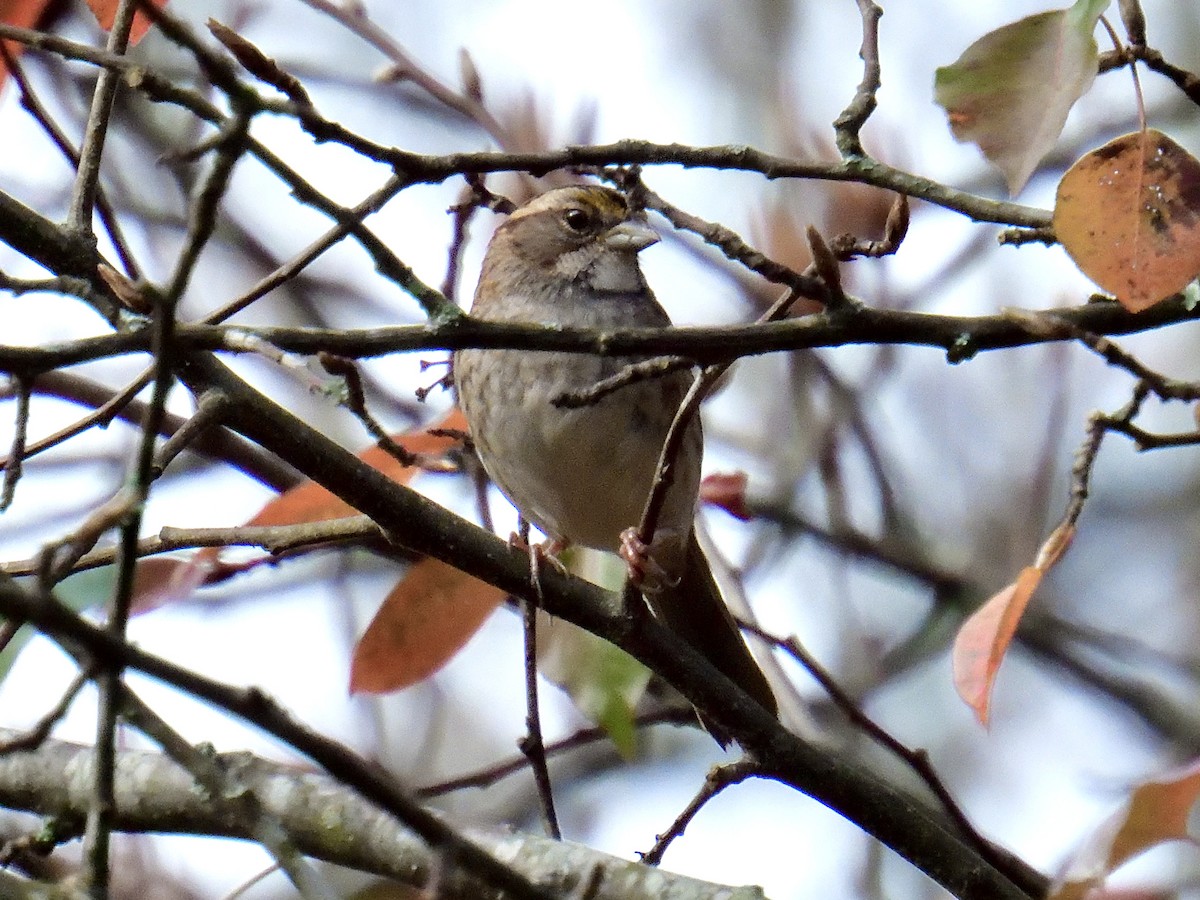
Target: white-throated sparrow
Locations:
point(582, 475)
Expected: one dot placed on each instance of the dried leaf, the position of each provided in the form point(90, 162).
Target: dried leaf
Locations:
point(163, 581)
point(983, 640)
point(427, 618)
point(1156, 812)
point(1011, 90)
point(127, 292)
point(1129, 216)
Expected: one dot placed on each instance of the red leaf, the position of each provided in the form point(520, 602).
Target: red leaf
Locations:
point(727, 490)
point(23, 14)
point(106, 10)
point(426, 619)
point(983, 640)
point(160, 582)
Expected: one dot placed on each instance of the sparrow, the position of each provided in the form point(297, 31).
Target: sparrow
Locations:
point(582, 475)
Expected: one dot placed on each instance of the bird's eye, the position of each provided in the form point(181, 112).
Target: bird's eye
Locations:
point(577, 219)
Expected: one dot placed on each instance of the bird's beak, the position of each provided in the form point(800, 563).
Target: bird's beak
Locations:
point(630, 236)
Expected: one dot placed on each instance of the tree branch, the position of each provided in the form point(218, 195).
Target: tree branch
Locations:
point(324, 819)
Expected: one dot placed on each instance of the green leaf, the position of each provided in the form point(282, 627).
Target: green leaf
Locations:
point(1011, 90)
point(603, 681)
point(82, 591)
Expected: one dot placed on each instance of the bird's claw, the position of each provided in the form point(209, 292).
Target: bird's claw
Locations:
point(547, 551)
point(642, 568)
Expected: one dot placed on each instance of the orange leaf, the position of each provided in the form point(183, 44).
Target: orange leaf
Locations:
point(163, 581)
point(1157, 811)
point(23, 14)
point(427, 618)
point(106, 10)
point(1129, 216)
point(983, 640)
point(309, 502)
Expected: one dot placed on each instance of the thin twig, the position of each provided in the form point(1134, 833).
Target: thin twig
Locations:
point(102, 808)
point(225, 77)
point(17, 453)
point(100, 416)
point(1134, 21)
point(658, 367)
point(703, 383)
point(284, 273)
point(277, 540)
point(207, 416)
point(36, 735)
point(1186, 81)
point(109, 405)
point(532, 745)
point(203, 217)
point(731, 244)
point(226, 791)
point(1148, 440)
point(406, 69)
point(355, 400)
point(77, 636)
point(41, 115)
point(718, 778)
point(917, 760)
point(461, 212)
point(88, 174)
point(848, 125)
point(486, 777)
point(430, 169)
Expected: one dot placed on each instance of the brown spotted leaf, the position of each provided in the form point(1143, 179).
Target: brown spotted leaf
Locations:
point(1011, 90)
point(1129, 216)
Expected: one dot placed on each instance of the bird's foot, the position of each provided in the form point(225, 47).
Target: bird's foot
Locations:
point(544, 552)
point(643, 570)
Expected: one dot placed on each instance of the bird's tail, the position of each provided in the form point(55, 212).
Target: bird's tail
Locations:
point(694, 610)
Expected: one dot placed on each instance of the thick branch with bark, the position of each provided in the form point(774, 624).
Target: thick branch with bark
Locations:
point(325, 820)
